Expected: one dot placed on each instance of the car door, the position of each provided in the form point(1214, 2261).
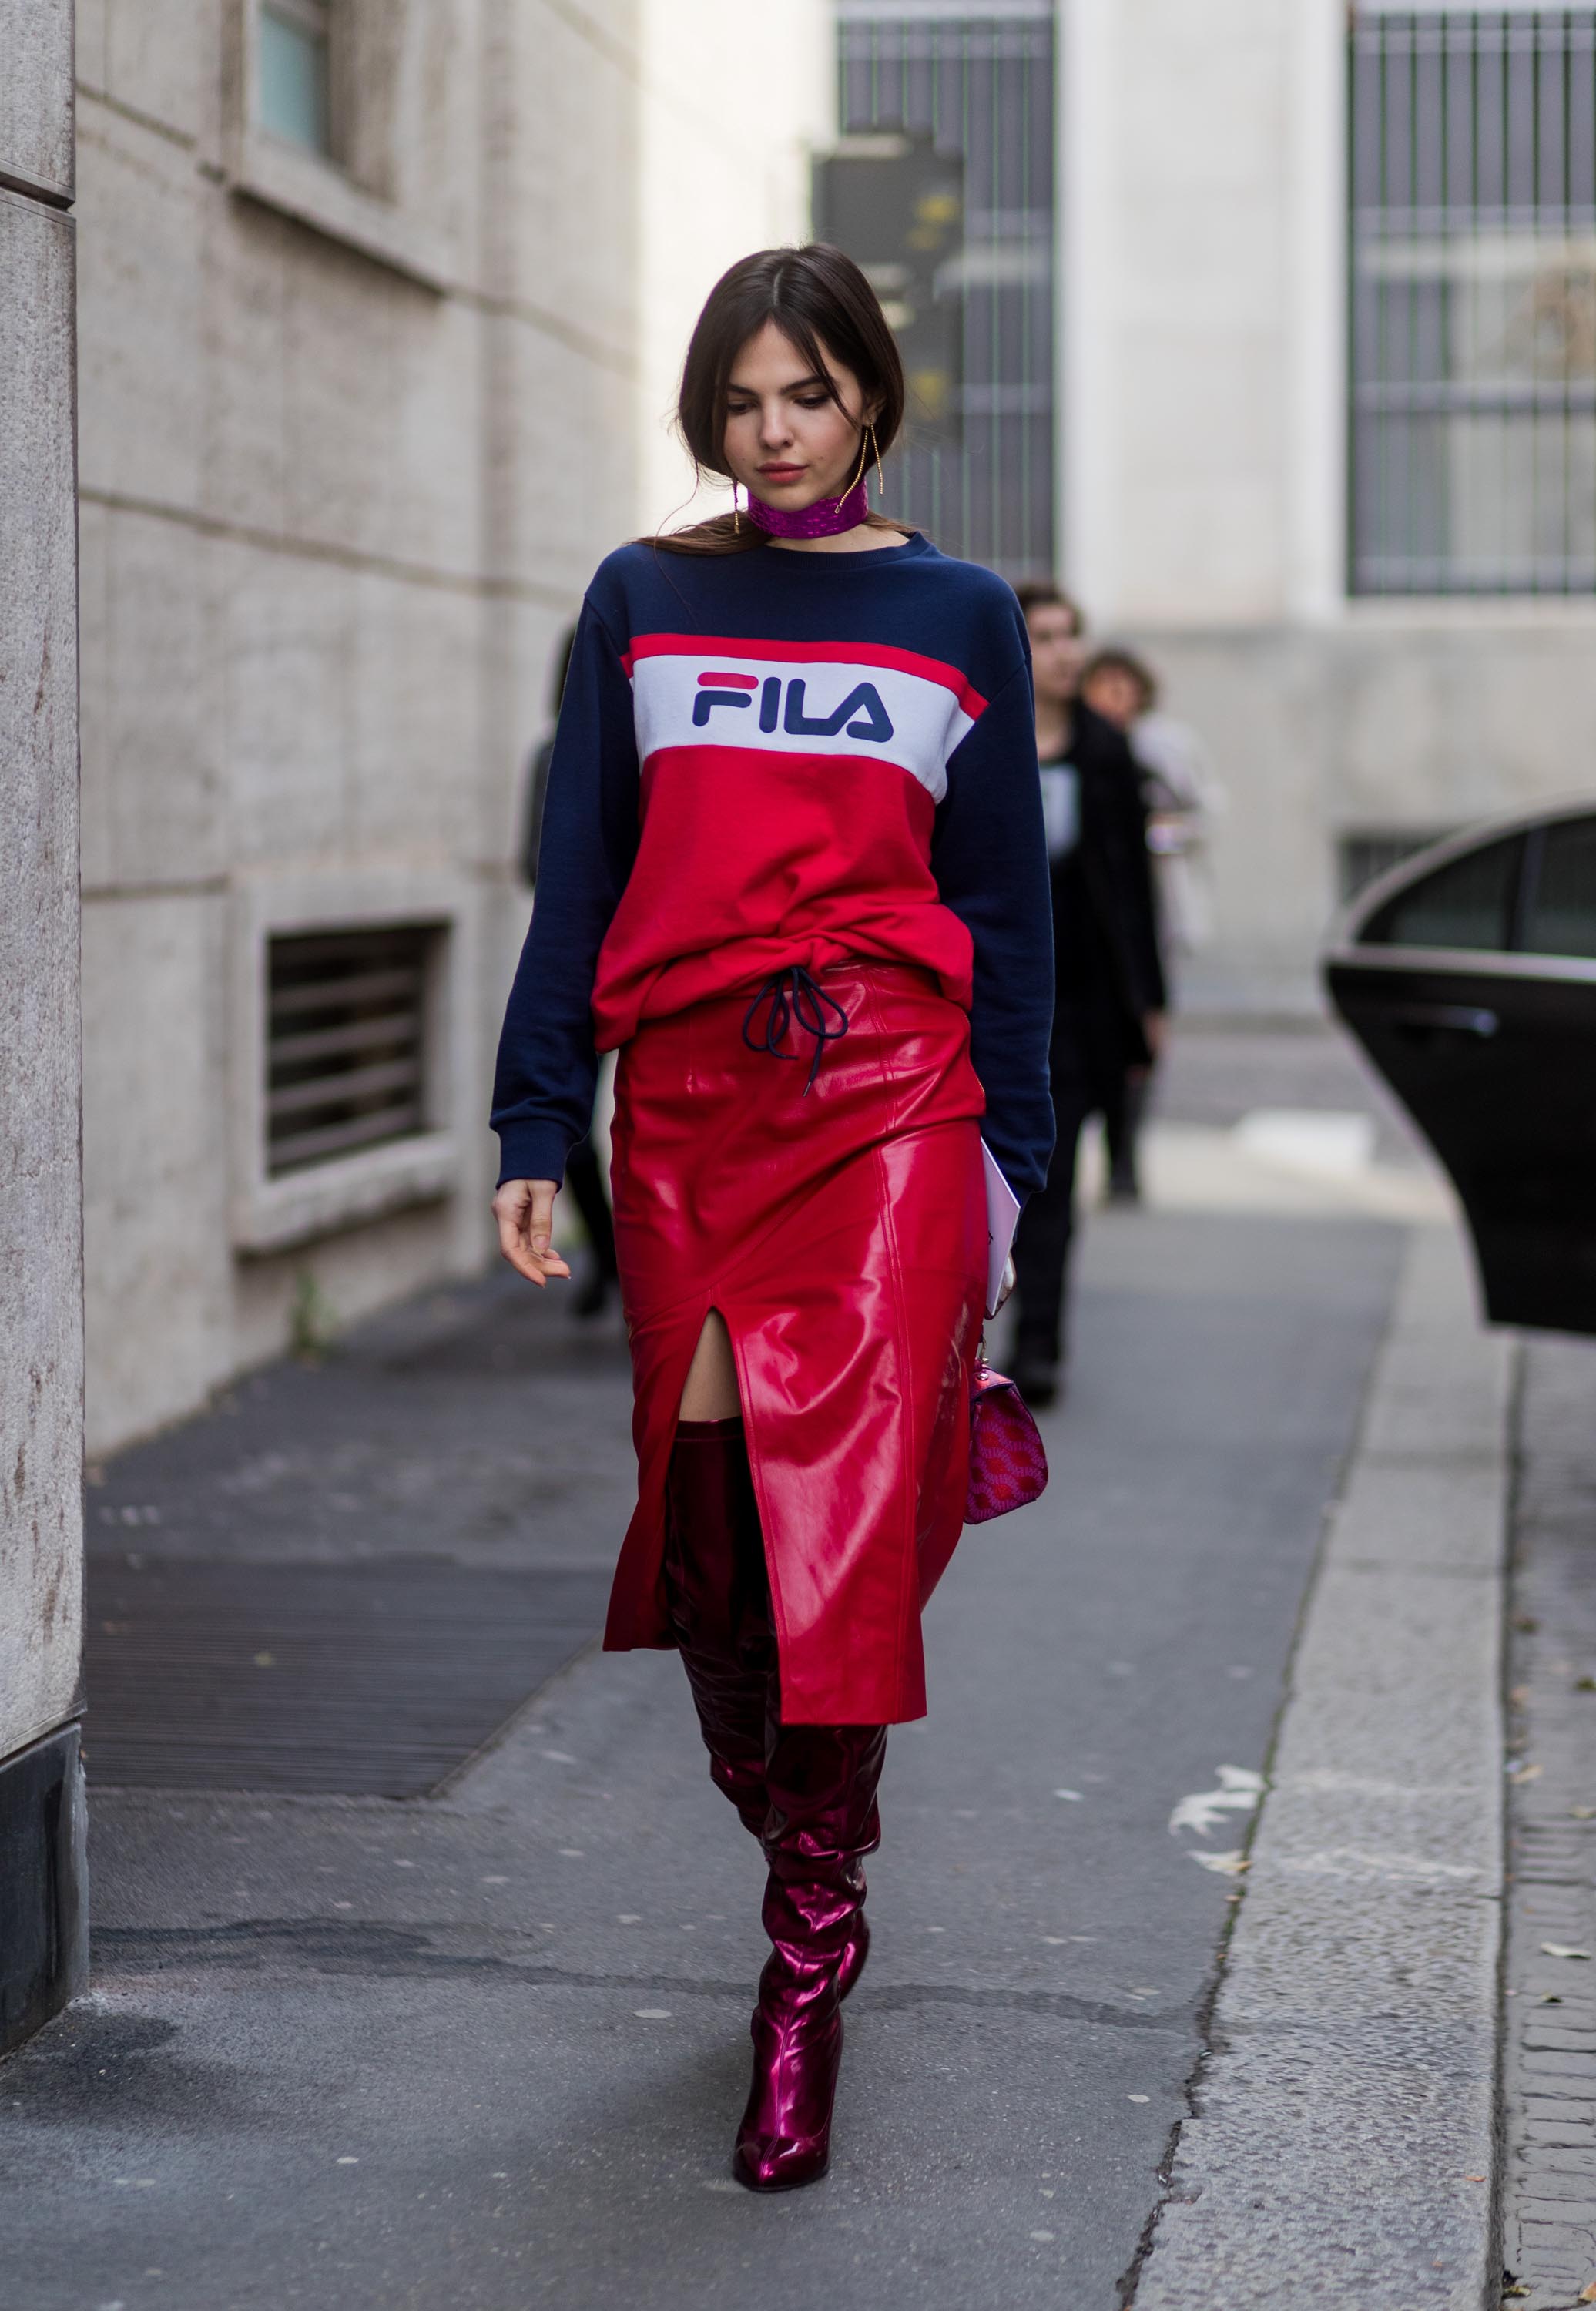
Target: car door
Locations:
point(1472, 986)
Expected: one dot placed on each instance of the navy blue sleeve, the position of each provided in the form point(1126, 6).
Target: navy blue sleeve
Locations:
point(989, 858)
point(544, 1084)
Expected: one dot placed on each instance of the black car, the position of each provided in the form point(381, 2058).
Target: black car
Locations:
point(1468, 975)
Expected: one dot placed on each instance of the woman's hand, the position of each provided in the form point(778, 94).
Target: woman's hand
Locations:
point(524, 1211)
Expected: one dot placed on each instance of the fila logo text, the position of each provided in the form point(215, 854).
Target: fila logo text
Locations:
point(861, 712)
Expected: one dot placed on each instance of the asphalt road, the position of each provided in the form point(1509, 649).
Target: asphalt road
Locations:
point(484, 2051)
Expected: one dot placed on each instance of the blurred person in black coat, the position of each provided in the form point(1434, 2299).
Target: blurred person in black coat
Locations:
point(584, 1174)
point(1109, 1003)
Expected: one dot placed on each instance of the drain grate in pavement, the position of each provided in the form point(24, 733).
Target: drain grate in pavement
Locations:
point(372, 1680)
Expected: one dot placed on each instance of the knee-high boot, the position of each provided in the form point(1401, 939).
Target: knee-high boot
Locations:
point(720, 1605)
point(720, 1610)
point(822, 1781)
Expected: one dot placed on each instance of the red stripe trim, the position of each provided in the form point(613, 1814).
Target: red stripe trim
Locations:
point(846, 653)
point(776, 771)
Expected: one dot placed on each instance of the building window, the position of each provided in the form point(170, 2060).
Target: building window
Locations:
point(347, 1055)
point(1361, 858)
point(970, 85)
point(293, 81)
point(1473, 299)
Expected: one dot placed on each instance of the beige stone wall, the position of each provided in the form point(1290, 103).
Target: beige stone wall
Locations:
point(733, 103)
point(1204, 363)
point(40, 1273)
point(1179, 238)
point(1393, 723)
point(350, 451)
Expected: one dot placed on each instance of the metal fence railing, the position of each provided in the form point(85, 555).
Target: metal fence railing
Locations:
point(1472, 159)
point(978, 80)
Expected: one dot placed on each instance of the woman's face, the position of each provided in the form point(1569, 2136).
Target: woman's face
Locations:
point(1058, 651)
point(1115, 693)
point(787, 440)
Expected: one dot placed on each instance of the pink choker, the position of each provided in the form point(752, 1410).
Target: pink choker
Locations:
point(824, 518)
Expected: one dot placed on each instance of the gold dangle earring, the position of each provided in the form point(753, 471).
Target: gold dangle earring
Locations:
point(880, 477)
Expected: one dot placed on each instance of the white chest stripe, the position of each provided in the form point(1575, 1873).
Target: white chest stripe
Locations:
point(832, 708)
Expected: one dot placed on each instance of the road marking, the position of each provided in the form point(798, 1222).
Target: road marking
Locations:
point(1239, 1792)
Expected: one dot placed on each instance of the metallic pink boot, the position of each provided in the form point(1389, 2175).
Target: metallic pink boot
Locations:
point(822, 1781)
point(720, 1610)
point(720, 1605)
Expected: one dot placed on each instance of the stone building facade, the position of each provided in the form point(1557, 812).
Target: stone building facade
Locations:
point(381, 304)
point(43, 1928)
point(1328, 409)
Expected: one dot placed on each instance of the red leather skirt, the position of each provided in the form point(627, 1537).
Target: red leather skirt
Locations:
point(842, 1233)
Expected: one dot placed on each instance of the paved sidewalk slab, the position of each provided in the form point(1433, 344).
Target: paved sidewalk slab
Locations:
point(1341, 2142)
point(1549, 2065)
point(487, 2051)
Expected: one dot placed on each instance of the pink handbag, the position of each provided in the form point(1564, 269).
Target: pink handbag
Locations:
point(1008, 1463)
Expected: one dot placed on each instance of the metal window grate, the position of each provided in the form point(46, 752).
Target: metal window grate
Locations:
point(345, 1042)
point(379, 1678)
point(1473, 301)
point(981, 85)
point(1360, 857)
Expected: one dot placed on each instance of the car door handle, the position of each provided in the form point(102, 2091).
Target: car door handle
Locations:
point(1458, 1018)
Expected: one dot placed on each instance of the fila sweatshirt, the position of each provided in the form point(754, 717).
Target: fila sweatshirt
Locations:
point(780, 757)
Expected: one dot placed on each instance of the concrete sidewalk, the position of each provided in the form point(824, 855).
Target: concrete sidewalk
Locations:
point(1549, 2053)
point(1128, 2034)
point(1343, 2130)
point(488, 2050)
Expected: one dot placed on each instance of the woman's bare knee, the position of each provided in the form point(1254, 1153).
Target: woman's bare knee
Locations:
point(711, 1390)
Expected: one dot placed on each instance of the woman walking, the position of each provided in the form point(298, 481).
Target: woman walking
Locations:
point(793, 871)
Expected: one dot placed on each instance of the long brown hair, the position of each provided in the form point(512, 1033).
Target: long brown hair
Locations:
point(819, 299)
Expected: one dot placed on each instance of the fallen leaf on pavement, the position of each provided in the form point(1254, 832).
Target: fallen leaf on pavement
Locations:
point(1587, 2294)
point(1562, 1949)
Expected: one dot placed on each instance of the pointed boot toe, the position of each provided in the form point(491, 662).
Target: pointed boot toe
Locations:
point(785, 2139)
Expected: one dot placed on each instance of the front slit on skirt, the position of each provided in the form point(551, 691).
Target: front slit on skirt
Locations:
point(841, 1235)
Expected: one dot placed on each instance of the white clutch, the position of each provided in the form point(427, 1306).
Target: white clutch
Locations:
point(1003, 1212)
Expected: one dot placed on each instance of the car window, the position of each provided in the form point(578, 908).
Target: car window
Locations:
point(1561, 916)
point(1466, 903)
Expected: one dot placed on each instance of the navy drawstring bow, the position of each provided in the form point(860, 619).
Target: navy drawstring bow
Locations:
point(796, 1001)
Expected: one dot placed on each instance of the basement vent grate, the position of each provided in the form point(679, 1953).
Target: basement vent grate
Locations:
point(345, 1042)
point(375, 1680)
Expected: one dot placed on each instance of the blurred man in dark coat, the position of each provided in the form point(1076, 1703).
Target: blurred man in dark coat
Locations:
point(1108, 1018)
